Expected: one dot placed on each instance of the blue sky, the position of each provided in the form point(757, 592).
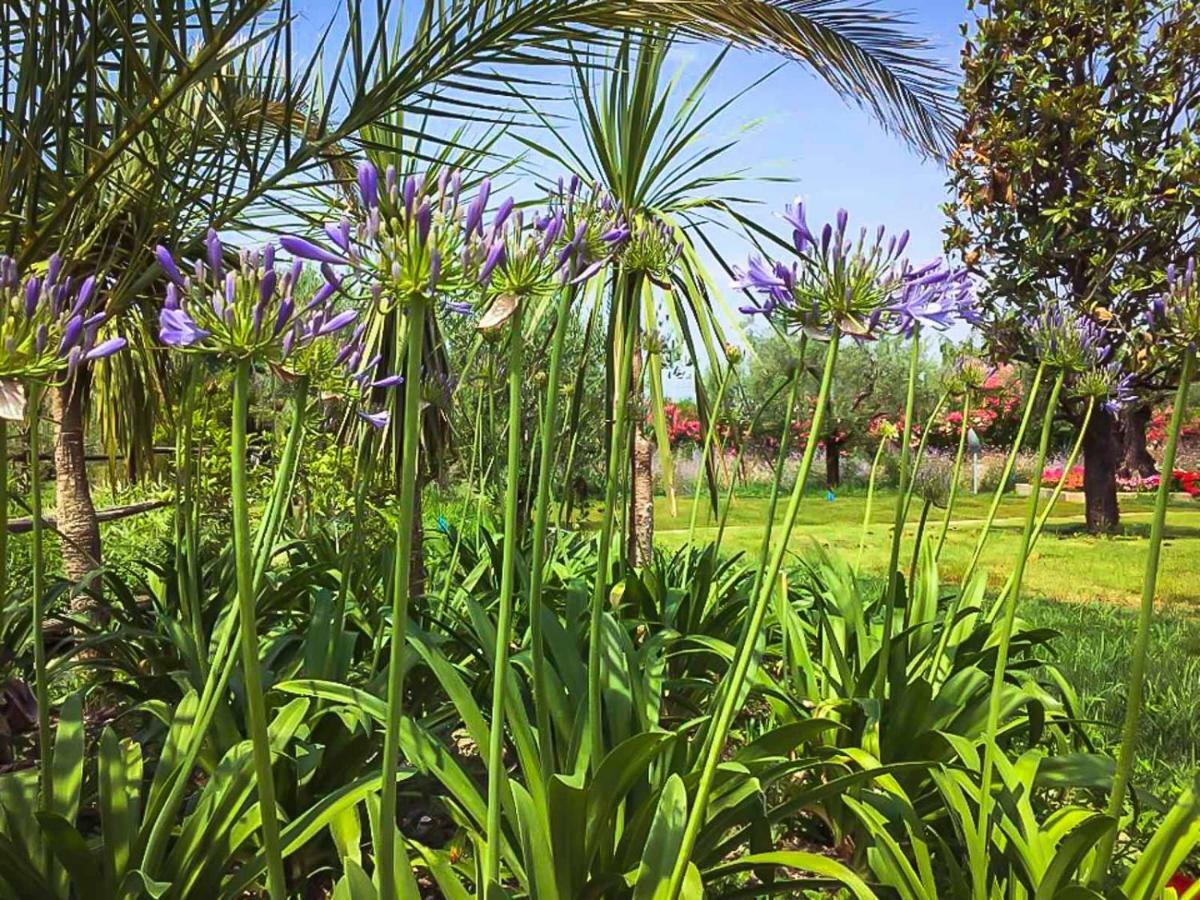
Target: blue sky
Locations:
point(829, 152)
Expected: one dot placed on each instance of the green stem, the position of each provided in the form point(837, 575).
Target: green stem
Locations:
point(185, 561)
point(862, 540)
point(764, 547)
point(41, 687)
point(255, 700)
point(285, 479)
point(620, 401)
point(1002, 487)
point(495, 758)
point(893, 572)
point(1141, 644)
point(979, 872)
point(744, 654)
point(541, 703)
point(1054, 494)
point(401, 566)
point(4, 515)
point(955, 474)
point(705, 449)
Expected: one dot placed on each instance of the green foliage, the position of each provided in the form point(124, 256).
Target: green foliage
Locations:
point(1073, 171)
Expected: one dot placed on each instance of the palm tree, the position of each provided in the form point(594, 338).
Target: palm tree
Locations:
point(646, 147)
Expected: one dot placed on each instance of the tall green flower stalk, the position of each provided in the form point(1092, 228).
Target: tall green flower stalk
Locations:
point(41, 686)
point(866, 523)
point(256, 705)
point(979, 873)
point(1009, 463)
point(401, 569)
point(1141, 643)
point(500, 662)
point(705, 450)
point(955, 473)
point(285, 478)
point(186, 539)
point(541, 510)
point(3, 513)
point(744, 654)
point(627, 321)
point(893, 585)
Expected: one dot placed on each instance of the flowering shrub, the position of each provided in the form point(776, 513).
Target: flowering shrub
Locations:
point(1187, 482)
point(995, 412)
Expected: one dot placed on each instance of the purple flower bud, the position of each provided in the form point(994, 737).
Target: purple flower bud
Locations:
point(378, 420)
point(167, 263)
point(172, 300)
point(107, 348)
point(338, 322)
point(288, 340)
point(266, 287)
point(435, 268)
point(902, 243)
point(389, 181)
point(286, 309)
point(368, 185)
point(842, 218)
point(295, 272)
point(475, 210)
point(85, 291)
point(268, 257)
point(212, 244)
point(410, 194)
point(324, 292)
point(389, 381)
point(42, 338)
point(230, 289)
point(339, 234)
point(502, 215)
point(33, 293)
point(460, 308)
point(298, 246)
point(424, 219)
point(494, 257)
point(71, 335)
point(53, 268)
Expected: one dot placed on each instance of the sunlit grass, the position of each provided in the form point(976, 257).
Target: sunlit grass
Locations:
point(1067, 564)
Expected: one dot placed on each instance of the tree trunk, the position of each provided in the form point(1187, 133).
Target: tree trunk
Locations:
point(833, 462)
point(1136, 459)
point(640, 533)
point(1100, 457)
point(75, 513)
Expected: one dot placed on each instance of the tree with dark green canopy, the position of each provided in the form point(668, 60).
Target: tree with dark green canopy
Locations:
point(1077, 177)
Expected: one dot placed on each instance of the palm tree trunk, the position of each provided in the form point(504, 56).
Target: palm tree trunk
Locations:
point(77, 524)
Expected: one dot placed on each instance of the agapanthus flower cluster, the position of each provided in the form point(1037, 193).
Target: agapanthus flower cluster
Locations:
point(969, 373)
point(407, 242)
point(648, 247)
point(515, 259)
point(247, 311)
point(1076, 344)
point(1175, 316)
point(860, 284)
point(1064, 339)
point(49, 324)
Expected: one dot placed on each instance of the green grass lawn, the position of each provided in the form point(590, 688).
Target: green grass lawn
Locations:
point(1066, 564)
point(1100, 578)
